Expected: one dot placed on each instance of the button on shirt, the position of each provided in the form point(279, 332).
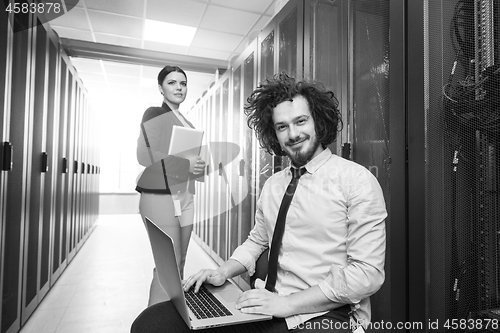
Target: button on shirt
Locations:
point(334, 236)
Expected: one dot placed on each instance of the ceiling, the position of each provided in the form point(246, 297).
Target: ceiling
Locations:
point(105, 41)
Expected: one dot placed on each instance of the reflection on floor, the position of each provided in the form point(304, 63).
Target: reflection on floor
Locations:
point(106, 285)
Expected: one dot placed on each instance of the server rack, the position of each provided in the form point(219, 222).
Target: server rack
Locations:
point(46, 213)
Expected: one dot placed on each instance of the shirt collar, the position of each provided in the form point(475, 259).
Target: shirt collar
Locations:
point(313, 165)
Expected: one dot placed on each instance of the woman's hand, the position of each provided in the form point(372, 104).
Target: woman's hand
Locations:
point(196, 165)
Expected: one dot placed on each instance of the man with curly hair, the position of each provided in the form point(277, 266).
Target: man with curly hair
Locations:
point(327, 251)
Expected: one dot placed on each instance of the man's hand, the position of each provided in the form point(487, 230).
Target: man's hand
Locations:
point(262, 301)
point(213, 277)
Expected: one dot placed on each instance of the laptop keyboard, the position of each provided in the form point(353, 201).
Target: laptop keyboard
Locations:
point(204, 304)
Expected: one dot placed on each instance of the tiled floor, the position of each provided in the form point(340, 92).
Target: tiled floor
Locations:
point(106, 285)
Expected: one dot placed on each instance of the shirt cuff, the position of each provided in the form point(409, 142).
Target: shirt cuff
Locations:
point(335, 287)
point(244, 258)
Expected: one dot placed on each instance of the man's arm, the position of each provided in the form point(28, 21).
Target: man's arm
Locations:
point(365, 243)
point(242, 260)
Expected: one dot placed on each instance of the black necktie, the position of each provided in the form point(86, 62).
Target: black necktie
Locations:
point(280, 228)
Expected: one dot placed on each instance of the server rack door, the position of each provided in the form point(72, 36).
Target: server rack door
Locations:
point(323, 51)
point(212, 198)
point(397, 167)
point(204, 195)
point(6, 50)
point(210, 170)
point(458, 103)
point(266, 64)
point(60, 166)
point(17, 179)
point(36, 171)
point(224, 170)
point(84, 173)
point(243, 169)
point(86, 158)
point(235, 192)
point(370, 98)
point(50, 193)
point(204, 188)
point(195, 114)
point(290, 36)
point(71, 168)
point(216, 153)
point(249, 144)
point(77, 171)
point(290, 31)
point(80, 146)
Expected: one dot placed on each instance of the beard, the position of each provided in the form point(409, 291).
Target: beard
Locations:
point(301, 157)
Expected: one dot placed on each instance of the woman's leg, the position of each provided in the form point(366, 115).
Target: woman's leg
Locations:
point(160, 209)
point(186, 222)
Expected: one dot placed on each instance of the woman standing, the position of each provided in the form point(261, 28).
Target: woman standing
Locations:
point(168, 181)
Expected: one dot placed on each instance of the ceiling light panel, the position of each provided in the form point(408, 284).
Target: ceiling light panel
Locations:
point(184, 12)
point(168, 33)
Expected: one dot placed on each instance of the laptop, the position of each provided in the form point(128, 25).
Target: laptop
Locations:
point(223, 297)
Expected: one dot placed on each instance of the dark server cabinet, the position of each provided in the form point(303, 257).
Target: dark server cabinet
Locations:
point(234, 165)
point(369, 107)
point(59, 261)
point(46, 213)
point(69, 216)
point(324, 50)
point(248, 144)
point(51, 170)
point(264, 162)
point(218, 230)
point(17, 180)
point(36, 173)
point(289, 29)
point(244, 82)
point(6, 35)
point(460, 103)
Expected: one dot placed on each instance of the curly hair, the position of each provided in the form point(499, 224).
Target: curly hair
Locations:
point(322, 104)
